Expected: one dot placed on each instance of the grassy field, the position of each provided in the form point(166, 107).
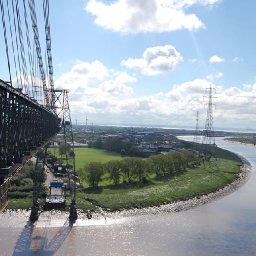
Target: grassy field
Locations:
point(194, 182)
point(86, 155)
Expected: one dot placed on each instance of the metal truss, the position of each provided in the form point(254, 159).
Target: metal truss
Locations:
point(25, 125)
point(209, 145)
point(62, 105)
point(70, 156)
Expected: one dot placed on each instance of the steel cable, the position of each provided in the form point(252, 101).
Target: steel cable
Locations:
point(22, 49)
point(38, 50)
point(17, 45)
point(5, 39)
point(32, 73)
point(13, 51)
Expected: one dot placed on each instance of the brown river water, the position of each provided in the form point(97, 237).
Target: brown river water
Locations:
point(225, 226)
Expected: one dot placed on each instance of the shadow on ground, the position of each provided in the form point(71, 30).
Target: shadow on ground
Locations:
point(34, 241)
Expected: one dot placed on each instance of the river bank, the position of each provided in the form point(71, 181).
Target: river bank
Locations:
point(193, 202)
point(182, 205)
point(245, 140)
point(195, 186)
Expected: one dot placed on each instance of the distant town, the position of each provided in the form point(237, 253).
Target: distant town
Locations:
point(146, 140)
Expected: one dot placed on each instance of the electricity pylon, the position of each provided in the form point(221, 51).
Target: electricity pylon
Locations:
point(196, 136)
point(208, 133)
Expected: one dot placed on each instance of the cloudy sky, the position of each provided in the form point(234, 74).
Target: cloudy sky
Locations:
point(150, 62)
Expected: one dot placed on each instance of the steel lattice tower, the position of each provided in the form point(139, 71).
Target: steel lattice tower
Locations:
point(62, 103)
point(196, 136)
point(208, 133)
point(70, 157)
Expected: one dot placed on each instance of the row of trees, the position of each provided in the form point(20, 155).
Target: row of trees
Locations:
point(137, 169)
point(118, 145)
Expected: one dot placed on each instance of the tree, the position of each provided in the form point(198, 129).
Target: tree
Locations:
point(179, 161)
point(121, 146)
point(190, 158)
point(64, 149)
point(114, 169)
point(93, 173)
point(169, 163)
point(138, 169)
point(98, 144)
point(114, 144)
point(157, 164)
point(126, 168)
point(123, 153)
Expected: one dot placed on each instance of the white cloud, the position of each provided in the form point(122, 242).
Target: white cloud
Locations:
point(94, 82)
point(109, 98)
point(81, 75)
point(192, 61)
point(133, 16)
point(216, 59)
point(118, 86)
point(197, 86)
point(215, 76)
point(155, 60)
point(237, 60)
point(204, 2)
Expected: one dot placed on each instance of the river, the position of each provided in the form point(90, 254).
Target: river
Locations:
point(226, 226)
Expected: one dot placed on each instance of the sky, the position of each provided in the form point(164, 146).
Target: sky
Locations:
point(151, 62)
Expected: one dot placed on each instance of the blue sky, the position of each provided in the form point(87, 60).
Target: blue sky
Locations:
point(149, 62)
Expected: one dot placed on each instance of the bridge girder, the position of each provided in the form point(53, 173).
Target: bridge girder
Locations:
point(24, 126)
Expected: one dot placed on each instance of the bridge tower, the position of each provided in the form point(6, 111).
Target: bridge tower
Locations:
point(70, 157)
point(61, 103)
point(37, 183)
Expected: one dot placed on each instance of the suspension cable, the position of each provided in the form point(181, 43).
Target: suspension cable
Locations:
point(38, 50)
point(13, 51)
point(32, 73)
point(17, 45)
point(5, 40)
point(48, 47)
point(22, 49)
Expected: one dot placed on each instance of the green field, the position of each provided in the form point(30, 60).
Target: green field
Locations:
point(86, 155)
point(193, 182)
